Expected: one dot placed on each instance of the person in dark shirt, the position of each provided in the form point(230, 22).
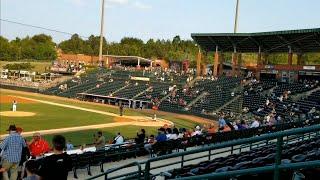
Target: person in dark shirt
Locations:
point(58, 165)
point(140, 137)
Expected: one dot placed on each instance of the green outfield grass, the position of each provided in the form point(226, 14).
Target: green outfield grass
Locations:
point(38, 66)
point(52, 117)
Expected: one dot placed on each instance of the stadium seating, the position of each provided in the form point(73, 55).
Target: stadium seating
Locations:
point(262, 156)
point(107, 88)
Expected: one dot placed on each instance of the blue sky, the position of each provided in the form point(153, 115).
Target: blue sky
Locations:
point(158, 19)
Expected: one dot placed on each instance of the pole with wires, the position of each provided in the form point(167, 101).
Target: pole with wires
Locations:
point(236, 18)
point(101, 35)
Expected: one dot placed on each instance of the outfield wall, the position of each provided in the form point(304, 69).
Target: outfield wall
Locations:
point(19, 88)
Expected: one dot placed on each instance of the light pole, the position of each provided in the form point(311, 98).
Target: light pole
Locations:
point(236, 18)
point(198, 60)
point(101, 34)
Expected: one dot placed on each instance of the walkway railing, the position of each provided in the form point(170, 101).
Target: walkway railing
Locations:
point(135, 175)
point(225, 148)
point(277, 136)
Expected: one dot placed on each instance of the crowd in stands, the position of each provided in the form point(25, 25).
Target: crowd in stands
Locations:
point(67, 68)
point(25, 160)
point(38, 159)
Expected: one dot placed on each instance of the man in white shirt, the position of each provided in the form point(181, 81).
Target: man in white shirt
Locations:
point(255, 124)
point(197, 131)
point(119, 139)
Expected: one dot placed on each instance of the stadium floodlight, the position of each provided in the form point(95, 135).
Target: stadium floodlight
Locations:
point(101, 33)
point(236, 18)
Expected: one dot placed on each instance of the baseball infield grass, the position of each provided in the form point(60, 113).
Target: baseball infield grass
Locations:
point(54, 117)
point(50, 117)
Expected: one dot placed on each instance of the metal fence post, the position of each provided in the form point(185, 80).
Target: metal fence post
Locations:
point(231, 149)
point(147, 170)
point(278, 157)
point(182, 160)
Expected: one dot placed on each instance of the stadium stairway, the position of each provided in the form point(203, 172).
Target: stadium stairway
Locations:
point(234, 105)
point(142, 92)
point(305, 94)
point(120, 89)
point(202, 95)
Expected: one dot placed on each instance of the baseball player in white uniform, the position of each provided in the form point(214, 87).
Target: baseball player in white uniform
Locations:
point(14, 106)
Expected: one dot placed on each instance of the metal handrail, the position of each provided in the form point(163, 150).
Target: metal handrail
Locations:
point(277, 135)
point(292, 166)
point(105, 174)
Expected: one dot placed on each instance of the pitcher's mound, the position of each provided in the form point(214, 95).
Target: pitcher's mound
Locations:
point(16, 114)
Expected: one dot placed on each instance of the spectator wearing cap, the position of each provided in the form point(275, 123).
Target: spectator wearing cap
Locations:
point(11, 148)
point(38, 146)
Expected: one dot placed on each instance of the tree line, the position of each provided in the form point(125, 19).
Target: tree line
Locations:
point(38, 47)
point(42, 47)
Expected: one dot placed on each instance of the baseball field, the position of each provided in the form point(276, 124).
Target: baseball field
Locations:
point(78, 120)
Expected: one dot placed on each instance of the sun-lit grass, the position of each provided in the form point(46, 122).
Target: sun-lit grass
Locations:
point(38, 66)
point(52, 117)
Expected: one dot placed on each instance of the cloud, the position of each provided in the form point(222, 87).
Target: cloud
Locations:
point(141, 5)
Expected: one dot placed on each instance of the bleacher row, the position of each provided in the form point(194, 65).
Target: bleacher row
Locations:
point(301, 151)
point(254, 99)
point(119, 85)
point(202, 98)
point(87, 160)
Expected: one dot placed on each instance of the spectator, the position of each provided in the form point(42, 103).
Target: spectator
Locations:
point(118, 139)
point(175, 134)
point(11, 148)
point(211, 129)
point(255, 124)
point(242, 125)
point(38, 146)
point(235, 125)
point(161, 135)
point(151, 141)
point(168, 133)
point(69, 145)
point(197, 131)
point(181, 133)
point(140, 137)
point(57, 165)
point(222, 122)
point(24, 156)
point(99, 140)
point(226, 128)
point(31, 169)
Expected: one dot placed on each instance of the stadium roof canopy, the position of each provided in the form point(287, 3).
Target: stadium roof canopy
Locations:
point(300, 41)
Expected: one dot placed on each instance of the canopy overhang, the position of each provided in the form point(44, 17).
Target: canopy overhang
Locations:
point(297, 41)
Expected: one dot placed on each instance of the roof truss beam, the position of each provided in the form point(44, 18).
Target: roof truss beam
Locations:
point(291, 44)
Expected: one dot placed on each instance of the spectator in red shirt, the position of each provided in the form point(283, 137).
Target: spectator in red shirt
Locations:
point(38, 146)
